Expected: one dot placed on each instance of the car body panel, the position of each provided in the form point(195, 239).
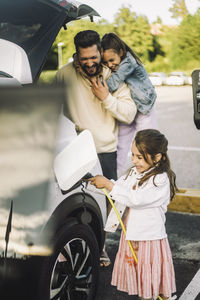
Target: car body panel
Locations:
point(29, 125)
point(27, 149)
point(18, 67)
point(32, 206)
point(77, 165)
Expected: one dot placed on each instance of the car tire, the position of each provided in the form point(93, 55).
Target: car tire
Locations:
point(72, 272)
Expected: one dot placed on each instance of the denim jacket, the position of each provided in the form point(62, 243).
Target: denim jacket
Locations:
point(136, 77)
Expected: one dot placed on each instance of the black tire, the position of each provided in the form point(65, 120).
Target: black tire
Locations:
point(72, 272)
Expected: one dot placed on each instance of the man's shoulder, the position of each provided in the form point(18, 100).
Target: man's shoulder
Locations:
point(65, 74)
point(66, 68)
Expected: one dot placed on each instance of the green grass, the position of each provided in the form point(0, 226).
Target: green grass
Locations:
point(47, 77)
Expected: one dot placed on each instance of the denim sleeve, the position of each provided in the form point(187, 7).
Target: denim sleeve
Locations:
point(126, 67)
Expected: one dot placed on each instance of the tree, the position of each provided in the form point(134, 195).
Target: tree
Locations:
point(179, 10)
point(67, 37)
point(159, 20)
point(135, 31)
point(157, 49)
point(186, 44)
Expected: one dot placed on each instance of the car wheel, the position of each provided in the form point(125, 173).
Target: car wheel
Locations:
point(71, 273)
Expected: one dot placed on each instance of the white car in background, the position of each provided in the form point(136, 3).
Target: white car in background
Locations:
point(190, 80)
point(177, 78)
point(158, 78)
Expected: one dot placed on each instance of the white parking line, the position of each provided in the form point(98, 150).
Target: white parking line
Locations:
point(193, 289)
point(180, 148)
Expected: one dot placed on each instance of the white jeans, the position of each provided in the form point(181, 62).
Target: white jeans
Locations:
point(126, 134)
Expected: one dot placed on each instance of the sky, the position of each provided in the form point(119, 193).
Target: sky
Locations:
point(150, 8)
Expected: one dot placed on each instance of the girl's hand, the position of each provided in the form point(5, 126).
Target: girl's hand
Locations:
point(101, 182)
point(100, 90)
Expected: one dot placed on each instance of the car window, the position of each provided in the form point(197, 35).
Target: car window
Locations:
point(32, 25)
point(23, 22)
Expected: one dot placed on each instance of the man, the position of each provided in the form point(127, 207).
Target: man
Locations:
point(90, 105)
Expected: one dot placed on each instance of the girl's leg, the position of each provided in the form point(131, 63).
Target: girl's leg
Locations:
point(126, 135)
point(148, 121)
point(125, 138)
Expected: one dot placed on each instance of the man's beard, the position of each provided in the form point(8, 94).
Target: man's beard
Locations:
point(97, 66)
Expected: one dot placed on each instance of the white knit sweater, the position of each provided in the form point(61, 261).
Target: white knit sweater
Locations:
point(147, 203)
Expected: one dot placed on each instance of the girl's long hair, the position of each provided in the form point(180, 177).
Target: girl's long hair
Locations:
point(152, 142)
point(112, 41)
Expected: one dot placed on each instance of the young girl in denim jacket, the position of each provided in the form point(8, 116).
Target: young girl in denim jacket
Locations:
point(146, 192)
point(126, 66)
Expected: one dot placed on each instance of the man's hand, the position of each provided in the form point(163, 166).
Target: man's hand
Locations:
point(100, 90)
point(101, 182)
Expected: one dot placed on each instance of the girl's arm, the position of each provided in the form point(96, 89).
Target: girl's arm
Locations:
point(145, 196)
point(126, 67)
point(119, 104)
point(101, 182)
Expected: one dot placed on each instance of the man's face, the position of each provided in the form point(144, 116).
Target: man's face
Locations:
point(90, 60)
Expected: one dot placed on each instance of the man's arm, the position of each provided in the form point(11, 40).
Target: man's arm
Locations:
point(120, 104)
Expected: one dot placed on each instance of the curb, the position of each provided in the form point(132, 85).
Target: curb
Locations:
point(186, 200)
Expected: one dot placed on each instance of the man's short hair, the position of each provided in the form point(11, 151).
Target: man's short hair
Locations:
point(87, 38)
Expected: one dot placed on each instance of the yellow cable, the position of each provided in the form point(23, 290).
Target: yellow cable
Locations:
point(121, 223)
point(123, 227)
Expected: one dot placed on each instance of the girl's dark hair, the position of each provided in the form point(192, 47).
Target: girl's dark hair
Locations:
point(152, 142)
point(112, 41)
point(87, 38)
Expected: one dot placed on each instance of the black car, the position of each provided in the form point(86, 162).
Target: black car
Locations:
point(51, 230)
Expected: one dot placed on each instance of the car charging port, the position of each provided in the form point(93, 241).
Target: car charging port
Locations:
point(78, 183)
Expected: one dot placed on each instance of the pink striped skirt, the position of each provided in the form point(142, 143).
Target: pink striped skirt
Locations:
point(153, 275)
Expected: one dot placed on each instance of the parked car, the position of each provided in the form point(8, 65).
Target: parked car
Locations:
point(177, 78)
point(51, 230)
point(189, 80)
point(158, 78)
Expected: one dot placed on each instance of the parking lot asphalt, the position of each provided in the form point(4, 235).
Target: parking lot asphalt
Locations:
point(184, 237)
